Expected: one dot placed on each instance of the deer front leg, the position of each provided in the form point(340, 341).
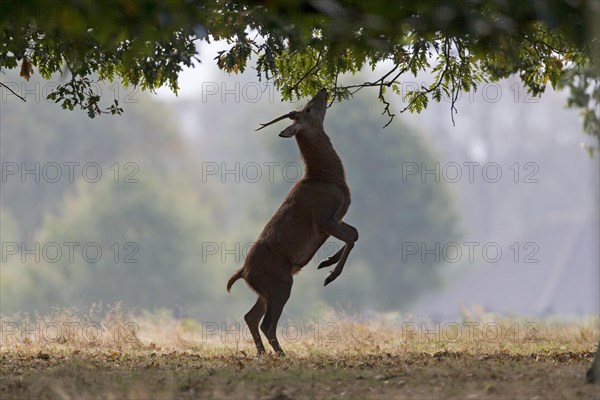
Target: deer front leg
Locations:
point(346, 233)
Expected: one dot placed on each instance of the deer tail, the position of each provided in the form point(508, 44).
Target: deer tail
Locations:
point(237, 275)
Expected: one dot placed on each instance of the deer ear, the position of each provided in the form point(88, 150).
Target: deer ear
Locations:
point(290, 131)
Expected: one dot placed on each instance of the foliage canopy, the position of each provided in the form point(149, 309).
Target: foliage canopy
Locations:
point(304, 45)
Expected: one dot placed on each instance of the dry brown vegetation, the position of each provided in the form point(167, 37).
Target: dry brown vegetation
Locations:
point(120, 356)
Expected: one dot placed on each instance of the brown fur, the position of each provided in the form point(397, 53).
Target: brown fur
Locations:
point(310, 213)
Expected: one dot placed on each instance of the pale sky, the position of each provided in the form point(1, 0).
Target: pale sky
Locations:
point(190, 79)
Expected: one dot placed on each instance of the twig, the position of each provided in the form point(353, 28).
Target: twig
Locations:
point(554, 49)
point(337, 73)
point(13, 92)
point(387, 107)
point(426, 91)
point(295, 87)
point(455, 89)
point(378, 82)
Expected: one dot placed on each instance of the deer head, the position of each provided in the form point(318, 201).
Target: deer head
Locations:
point(307, 120)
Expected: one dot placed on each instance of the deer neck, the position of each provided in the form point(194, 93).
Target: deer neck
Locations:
point(321, 161)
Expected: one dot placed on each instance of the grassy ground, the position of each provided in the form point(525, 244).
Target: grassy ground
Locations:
point(66, 357)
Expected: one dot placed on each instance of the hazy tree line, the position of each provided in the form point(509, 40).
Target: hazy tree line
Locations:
point(157, 230)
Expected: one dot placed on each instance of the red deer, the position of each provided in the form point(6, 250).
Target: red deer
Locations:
point(311, 212)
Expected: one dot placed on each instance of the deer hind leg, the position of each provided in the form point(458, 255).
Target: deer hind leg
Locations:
point(346, 233)
point(279, 293)
point(253, 318)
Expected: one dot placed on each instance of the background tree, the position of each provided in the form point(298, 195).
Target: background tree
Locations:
point(148, 207)
point(173, 210)
point(149, 235)
point(34, 134)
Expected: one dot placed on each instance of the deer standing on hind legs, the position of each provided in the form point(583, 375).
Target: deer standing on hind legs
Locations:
point(311, 212)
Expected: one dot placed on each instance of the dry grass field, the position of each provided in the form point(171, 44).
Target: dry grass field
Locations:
point(67, 356)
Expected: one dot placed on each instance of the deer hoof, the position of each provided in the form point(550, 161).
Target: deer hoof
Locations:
point(325, 263)
point(330, 278)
